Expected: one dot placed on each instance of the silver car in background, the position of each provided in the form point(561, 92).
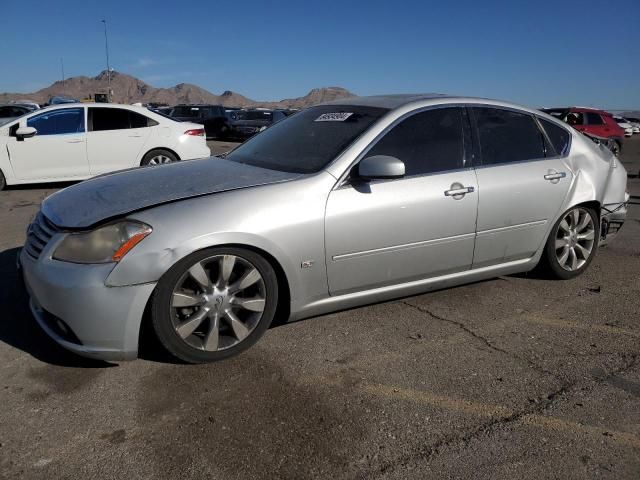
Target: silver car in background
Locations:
point(343, 204)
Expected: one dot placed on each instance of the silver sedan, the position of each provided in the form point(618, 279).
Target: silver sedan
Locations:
point(343, 204)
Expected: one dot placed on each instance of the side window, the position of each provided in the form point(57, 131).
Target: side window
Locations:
point(559, 136)
point(101, 119)
point(575, 118)
point(58, 122)
point(427, 142)
point(140, 121)
point(594, 119)
point(507, 136)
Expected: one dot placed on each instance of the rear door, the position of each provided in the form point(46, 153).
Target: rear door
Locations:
point(522, 183)
point(57, 151)
point(115, 138)
point(386, 232)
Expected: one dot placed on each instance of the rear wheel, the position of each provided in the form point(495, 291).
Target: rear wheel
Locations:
point(572, 243)
point(214, 304)
point(158, 157)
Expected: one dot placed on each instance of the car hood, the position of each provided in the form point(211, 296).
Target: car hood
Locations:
point(116, 194)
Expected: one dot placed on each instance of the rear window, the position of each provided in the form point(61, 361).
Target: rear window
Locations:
point(308, 141)
point(254, 115)
point(558, 136)
point(193, 112)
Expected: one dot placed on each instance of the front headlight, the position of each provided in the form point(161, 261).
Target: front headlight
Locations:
point(102, 245)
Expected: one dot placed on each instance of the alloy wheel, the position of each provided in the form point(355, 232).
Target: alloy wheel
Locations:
point(218, 302)
point(159, 160)
point(575, 239)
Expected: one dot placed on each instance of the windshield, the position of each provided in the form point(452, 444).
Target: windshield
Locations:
point(253, 115)
point(308, 141)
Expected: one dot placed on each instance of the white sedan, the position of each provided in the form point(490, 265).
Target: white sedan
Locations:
point(625, 125)
point(78, 141)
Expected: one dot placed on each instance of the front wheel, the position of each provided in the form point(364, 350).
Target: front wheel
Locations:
point(3, 181)
point(214, 304)
point(572, 243)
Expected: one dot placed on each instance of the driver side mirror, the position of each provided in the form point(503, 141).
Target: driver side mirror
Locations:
point(380, 167)
point(26, 132)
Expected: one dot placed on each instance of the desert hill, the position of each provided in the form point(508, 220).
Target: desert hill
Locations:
point(128, 89)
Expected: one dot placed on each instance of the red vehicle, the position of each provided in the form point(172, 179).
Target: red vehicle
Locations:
point(591, 121)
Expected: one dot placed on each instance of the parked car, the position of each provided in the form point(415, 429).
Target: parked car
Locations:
point(355, 201)
point(590, 120)
point(246, 123)
point(625, 125)
point(26, 103)
point(635, 123)
point(162, 110)
point(74, 142)
point(213, 117)
point(59, 100)
point(230, 111)
point(9, 112)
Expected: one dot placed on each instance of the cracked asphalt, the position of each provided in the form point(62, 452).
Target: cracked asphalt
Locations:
point(516, 377)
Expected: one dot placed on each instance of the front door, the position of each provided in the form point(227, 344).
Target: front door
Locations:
point(521, 185)
point(58, 150)
point(386, 232)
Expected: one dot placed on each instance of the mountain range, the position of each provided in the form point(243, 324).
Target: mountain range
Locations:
point(128, 89)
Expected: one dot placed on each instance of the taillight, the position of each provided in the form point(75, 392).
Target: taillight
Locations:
point(196, 132)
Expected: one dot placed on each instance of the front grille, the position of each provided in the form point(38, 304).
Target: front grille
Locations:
point(38, 235)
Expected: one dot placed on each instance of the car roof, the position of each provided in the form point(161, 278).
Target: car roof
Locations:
point(386, 101)
point(392, 102)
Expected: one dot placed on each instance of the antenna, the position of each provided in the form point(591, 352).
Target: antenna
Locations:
point(106, 47)
point(64, 90)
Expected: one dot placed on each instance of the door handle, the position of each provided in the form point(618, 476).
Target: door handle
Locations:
point(555, 176)
point(75, 140)
point(460, 191)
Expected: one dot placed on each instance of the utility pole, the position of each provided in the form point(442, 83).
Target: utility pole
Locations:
point(106, 47)
point(64, 90)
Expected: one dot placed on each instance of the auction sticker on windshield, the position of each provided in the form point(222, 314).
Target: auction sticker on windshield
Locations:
point(333, 117)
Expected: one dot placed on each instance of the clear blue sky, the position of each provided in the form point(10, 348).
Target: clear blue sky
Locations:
point(539, 53)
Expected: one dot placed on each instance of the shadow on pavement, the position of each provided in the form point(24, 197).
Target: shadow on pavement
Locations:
point(38, 186)
point(19, 329)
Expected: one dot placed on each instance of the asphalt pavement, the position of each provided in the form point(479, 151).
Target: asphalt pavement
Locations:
point(516, 377)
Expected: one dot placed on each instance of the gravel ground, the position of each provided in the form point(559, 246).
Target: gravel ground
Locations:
point(517, 377)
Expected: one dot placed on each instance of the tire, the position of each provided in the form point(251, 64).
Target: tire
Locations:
point(572, 243)
point(214, 304)
point(3, 181)
point(223, 133)
point(158, 157)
